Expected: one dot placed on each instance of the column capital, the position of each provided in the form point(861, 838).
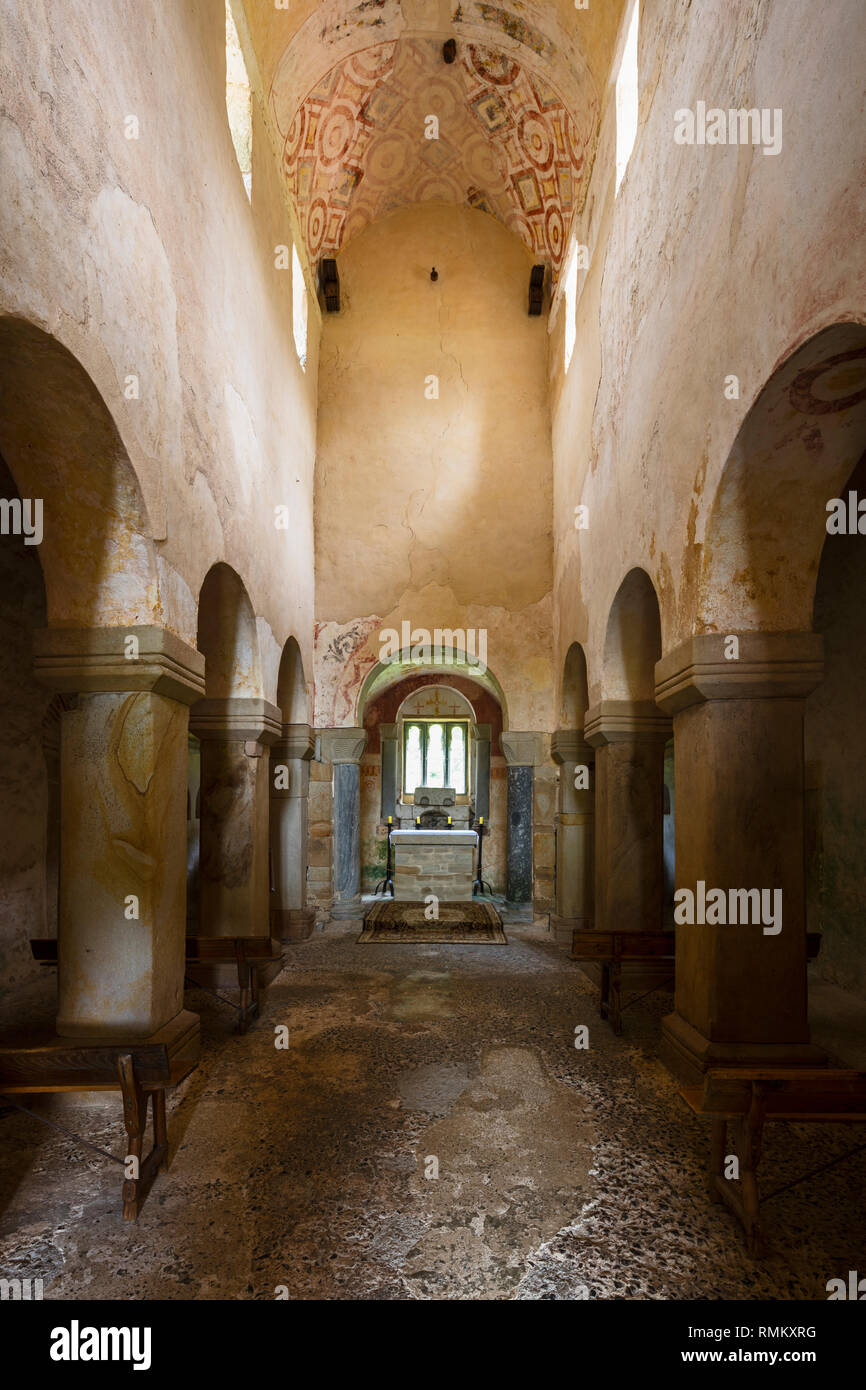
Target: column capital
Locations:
point(769, 665)
point(389, 731)
point(626, 721)
point(570, 746)
point(343, 745)
point(522, 749)
point(100, 660)
point(245, 719)
point(295, 741)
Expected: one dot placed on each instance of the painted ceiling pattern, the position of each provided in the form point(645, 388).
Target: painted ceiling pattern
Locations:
point(356, 147)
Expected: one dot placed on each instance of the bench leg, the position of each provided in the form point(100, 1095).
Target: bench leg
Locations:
point(136, 1187)
point(604, 1001)
point(160, 1128)
point(616, 997)
point(718, 1143)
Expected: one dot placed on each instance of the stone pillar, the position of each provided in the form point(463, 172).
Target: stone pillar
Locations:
point(481, 745)
point(291, 919)
point(234, 883)
point(575, 819)
point(522, 751)
point(343, 749)
point(739, 776)
point(390, 769)
point(630, 737)
point(123, 759)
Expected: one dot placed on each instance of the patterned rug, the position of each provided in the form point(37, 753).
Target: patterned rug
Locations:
point(475, 923)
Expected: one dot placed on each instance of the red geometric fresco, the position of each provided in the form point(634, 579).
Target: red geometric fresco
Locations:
point(359, 145)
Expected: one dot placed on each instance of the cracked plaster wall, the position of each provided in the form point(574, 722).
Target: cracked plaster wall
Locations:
point(711, 260)
point(437, 512)
point(143, 256)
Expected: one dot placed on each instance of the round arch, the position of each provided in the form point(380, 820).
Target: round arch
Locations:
point(793, 453)
point(62, 447)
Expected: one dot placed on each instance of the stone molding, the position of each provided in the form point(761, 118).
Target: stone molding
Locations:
point(770, 665)
point(91, 661)
point(626, 721)
point(295, 741)
point(236, 720)
point(522, 749)
point(343, 745)
point(570, 746)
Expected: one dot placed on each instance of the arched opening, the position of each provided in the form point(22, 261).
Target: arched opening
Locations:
point(86, 860)
point(755, 702)
point(232, 725)
point(426, 713)
point(630, 733)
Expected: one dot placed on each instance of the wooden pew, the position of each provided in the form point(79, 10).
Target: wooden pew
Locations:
point(251, 956)
point(747, 1099)
point(139, 1068)
point(609, 949)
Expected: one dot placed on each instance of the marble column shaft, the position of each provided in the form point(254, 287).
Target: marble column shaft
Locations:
point(343, 748)
point(522, 752)
point(123, 758)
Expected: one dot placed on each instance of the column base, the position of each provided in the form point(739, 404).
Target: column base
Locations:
point(688, 1054)
point(293, 923)
point(563, 928)
point(346, 909)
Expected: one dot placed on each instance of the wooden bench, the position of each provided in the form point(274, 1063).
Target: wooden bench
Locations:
point(251, 955)
point(749, 1098)
point(139, 1068)
point(609, 949)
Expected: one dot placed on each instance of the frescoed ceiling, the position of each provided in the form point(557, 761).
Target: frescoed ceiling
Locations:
point(517, 114)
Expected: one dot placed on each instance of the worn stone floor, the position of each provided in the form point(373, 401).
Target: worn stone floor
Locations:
point(312, 1169)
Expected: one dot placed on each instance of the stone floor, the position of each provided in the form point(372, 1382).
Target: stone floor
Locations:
point(562, 1173)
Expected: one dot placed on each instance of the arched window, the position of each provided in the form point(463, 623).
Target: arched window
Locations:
point(627, 97)
point(239, 102)
point(435, 754)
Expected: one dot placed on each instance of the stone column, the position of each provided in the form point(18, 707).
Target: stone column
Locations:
point(291, 919)
point(630, 738)
point(389, 745)
point(123, 749)
point(481, 745)
point(343, 749)
point(234, 886)
point(522, 751)
point(739, 778)
point(575, 857)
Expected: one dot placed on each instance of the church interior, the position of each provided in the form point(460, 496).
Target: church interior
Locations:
point(433, 661)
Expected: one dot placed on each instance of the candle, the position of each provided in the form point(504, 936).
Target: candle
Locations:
point(418, 820)
point(481, 821)
point(389, 820)
point(449, 820)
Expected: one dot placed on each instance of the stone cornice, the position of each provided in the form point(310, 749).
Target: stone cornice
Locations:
point(92, 661)
point(770, 665)
point(343, 745)
point(570, 746)
point(241, 720)
point(626, 721)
